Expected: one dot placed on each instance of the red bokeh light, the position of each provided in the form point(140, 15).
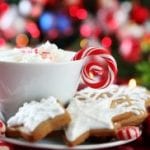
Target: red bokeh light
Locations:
point(106, 42)
point(77, 12)
point(3, 7)
point(130, 49)
point(85, 30)
point(2, 41)
point(36, 10)
point(73, 10)
point(139, 14)
point(53, 34)
point(32, 28)
point(81, 14)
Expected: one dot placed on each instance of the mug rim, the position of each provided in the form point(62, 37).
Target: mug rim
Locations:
point(40, 63)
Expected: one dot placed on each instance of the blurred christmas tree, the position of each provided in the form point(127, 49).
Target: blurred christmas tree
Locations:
point(123, 27)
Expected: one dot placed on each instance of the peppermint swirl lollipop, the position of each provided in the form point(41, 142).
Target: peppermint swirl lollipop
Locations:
point(100, 67)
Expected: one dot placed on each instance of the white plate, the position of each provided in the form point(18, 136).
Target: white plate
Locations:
point(56, 143)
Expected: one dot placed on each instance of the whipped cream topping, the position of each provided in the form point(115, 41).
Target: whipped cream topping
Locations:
point(45, 53)
point(92, 109)
point(30, 115)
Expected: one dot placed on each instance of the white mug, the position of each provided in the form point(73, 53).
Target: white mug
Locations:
point(23, 82)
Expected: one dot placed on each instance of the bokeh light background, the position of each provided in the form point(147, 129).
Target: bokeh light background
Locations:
point(122, 26)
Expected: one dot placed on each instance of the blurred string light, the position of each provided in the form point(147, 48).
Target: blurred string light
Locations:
point(73, 10)
point(83, 43)
point(63, 22)
point(131, 30)
point(43, 2)
point(77, 12)
point(81, 14)
point(36, 10)
point(47, 21)
point(130, 49)
point(25, 7)
point(106, 42)
point(22, 40)
point(145, 43)
point(8, 18)
point(3, 7)
point(85, 30)
point(2, 41)
point(32, 28)
point(53, 34)
point(11, 23)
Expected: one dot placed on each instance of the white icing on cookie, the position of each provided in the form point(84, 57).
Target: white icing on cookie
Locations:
point(30, 115)
point(95, 94)
point(114, 91)
point(86, 115)
point(96, 114)
point(137, 93)
point(91, 108)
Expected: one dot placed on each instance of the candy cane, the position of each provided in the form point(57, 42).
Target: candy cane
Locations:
point(5, 146)
point(2, 128)
point(126, 133)
point(99, 69)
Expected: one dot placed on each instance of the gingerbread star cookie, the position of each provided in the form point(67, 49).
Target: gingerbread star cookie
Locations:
point(88, 118)
point(35, 120)
point(99, 112)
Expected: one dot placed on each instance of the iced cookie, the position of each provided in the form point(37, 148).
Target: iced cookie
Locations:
point(35, 120)
point(101, 116)
point(128, 112)
point(95, 94)
point(88, 118)
point(134, 100)
point(137, 93)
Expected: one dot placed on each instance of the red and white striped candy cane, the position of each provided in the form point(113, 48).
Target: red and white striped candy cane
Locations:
point(5, 146)
point(126, 133)
point(99, 69)
point(2, 128)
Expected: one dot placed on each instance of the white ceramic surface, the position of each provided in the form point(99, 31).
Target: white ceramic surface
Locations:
point(21, 82)
point(53, 143)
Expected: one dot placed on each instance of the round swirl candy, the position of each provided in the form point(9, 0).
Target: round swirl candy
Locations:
point(127, 133)
point(100, 67)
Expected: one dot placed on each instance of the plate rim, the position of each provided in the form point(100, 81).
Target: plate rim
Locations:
point(90, 146)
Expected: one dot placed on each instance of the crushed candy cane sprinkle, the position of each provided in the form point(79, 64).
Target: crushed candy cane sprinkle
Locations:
point(45, 53)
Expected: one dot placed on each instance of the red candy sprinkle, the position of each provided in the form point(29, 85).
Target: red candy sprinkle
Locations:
point(100, 67)
point(127, 133)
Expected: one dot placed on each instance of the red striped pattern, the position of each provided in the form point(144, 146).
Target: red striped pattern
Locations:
point(100, 67)
point(2, 128)
point(5, 146)
point(127, 133)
